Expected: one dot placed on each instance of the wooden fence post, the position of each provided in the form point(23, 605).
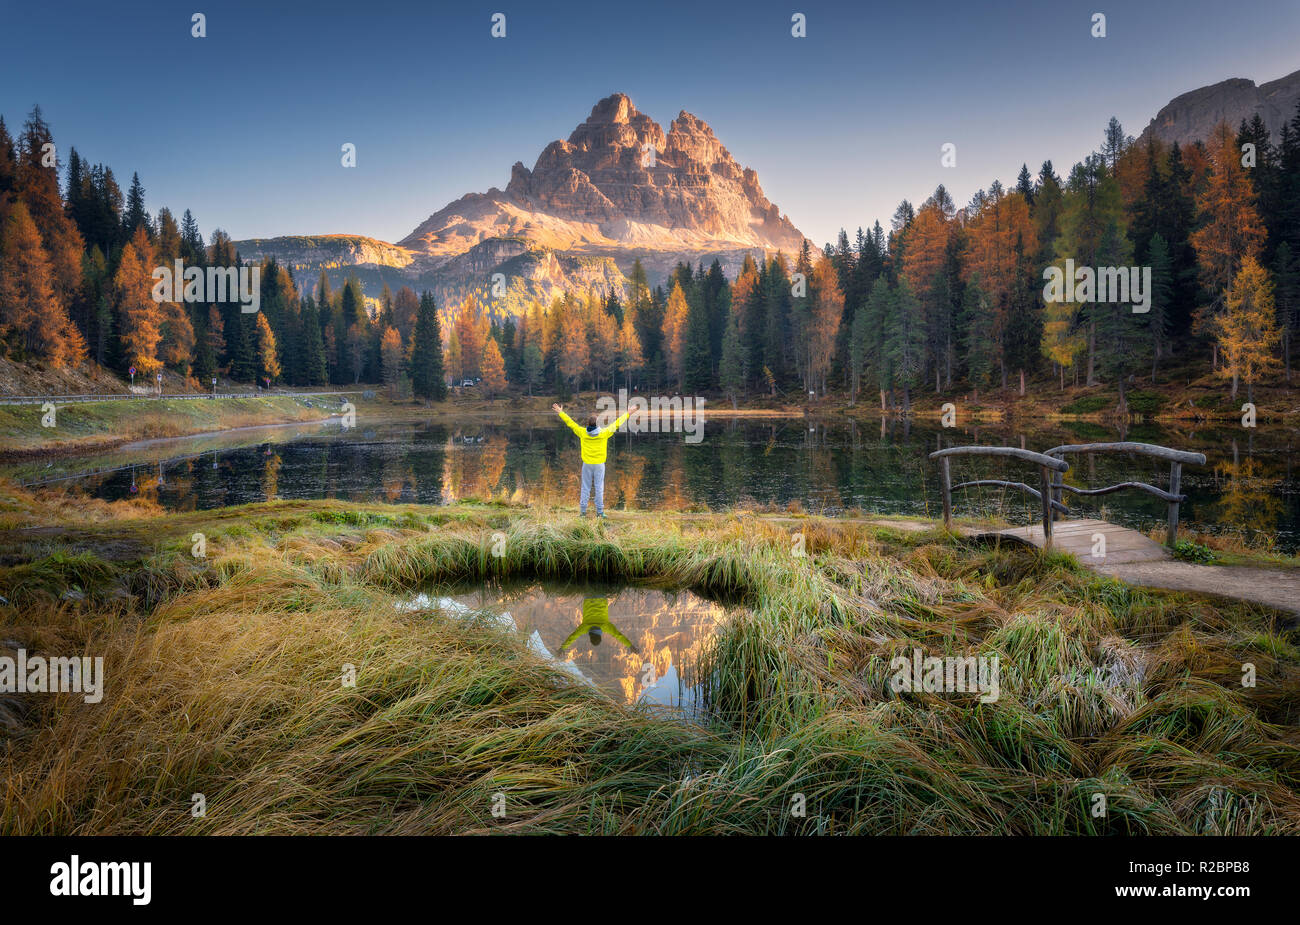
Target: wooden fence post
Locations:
point(1175, 478)
point(946, 480)
point(1045, 486)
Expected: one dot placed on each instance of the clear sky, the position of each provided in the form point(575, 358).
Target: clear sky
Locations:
point(244, 126)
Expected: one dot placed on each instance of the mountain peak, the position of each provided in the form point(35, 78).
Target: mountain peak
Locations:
point(617, 108)
point(619, 187)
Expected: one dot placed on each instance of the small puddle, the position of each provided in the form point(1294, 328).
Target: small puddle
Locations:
point(638, 645)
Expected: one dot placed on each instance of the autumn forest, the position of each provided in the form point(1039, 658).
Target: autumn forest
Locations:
point(947, 297)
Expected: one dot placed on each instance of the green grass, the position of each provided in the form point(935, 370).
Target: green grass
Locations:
point(1187, 551)
point(1089, 404)
point(1144, 402)
point(224, 679)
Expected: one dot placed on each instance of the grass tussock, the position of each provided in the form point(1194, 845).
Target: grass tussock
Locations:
point(225, 678)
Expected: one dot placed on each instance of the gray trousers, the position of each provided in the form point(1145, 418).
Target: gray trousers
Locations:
point(593, 482)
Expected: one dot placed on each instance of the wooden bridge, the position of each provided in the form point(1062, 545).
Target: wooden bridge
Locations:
point(1121, 553)
point(1094, 542)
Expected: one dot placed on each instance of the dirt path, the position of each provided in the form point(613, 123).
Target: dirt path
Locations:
point(1279, 588)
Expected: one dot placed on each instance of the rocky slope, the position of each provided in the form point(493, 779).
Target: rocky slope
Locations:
point(1191, 116)
point(618, 189)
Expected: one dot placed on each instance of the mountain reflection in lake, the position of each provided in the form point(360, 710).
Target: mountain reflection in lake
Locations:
point(1247, 485)
point(637, 645)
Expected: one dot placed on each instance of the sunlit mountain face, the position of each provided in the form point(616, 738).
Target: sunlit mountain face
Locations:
point(667, 632)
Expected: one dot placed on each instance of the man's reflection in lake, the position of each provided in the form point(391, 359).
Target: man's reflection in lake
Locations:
point(595, 623)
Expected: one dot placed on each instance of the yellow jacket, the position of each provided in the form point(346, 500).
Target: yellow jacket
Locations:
point(593, 445)
point(595, 613)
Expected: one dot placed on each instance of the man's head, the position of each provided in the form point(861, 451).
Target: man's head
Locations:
point(594, 635)
point(591, 422)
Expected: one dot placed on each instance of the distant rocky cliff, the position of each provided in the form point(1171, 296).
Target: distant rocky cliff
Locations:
point(1191, 116)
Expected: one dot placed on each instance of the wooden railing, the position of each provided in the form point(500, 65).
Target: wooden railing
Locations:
point(1052, 469)
point(1047, 465)
point(1175, 458)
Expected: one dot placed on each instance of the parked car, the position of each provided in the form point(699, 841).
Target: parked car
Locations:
point(466, 383)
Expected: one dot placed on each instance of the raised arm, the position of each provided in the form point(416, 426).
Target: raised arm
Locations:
point(559, 409)
point(573, 636)
point(617, 424)
point(614, 631)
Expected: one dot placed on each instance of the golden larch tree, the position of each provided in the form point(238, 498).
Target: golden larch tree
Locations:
point(494, 368)
point(827, 310)
point(32, 319)
point(390, 355)
point(141, 315)
point(1246, 330)
point(267, 363)
point(1231, 228)
point(675, 332)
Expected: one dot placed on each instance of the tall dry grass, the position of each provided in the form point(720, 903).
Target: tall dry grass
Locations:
point(225, 679)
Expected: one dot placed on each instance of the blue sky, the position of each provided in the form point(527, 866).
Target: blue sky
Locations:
point(244, 126)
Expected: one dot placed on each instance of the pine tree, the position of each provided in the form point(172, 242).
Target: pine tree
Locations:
point(717, 307)
point(136, 216)
point(8, 161)
point(314, 368)
point(532, 366)
point(1286, 276)
point(731, 373)
point(1162, 293)
point(427, 377)
point(192, 250)
point(1114, 144)
point(1025, 185)
point(1091, 205)
point(697, 357)
point(978, 346)
point(877, 324)
point(1122, 336)
point(905, 342)
point(776, 329)
point(1023, 333)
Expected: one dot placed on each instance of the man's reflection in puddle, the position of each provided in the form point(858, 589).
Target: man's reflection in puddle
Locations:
point(595, 623)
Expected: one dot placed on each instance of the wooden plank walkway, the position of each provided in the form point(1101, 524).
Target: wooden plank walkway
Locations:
point(1123, 546)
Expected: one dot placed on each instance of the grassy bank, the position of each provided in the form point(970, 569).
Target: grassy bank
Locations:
point(224, 679)
point(81, 427)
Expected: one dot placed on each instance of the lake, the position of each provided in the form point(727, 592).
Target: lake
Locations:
point(831, 465)
point(638, 645)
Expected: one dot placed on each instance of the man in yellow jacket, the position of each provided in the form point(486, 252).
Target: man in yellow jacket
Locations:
point(594, 441)
point(595, 623)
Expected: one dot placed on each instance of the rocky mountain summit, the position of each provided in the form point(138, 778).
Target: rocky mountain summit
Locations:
point(1191, 116)
point(618, 189)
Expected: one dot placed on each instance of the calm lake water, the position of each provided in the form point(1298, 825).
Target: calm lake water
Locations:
point(638, 645)
point(1248, 484)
